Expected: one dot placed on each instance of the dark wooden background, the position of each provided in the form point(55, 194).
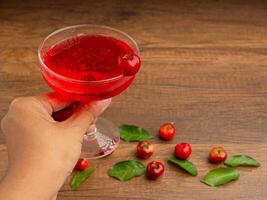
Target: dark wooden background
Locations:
point(204, 67)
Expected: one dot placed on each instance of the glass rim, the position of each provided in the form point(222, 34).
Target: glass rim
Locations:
point(80, 26)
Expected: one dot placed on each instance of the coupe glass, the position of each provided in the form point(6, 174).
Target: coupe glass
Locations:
point(105, 138)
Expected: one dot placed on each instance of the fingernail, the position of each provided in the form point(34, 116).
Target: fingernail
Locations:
point(103, 104)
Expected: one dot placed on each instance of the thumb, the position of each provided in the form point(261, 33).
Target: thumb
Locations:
point(86, 114)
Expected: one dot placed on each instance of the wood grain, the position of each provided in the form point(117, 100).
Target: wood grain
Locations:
point(203, 67)
point(175, 183)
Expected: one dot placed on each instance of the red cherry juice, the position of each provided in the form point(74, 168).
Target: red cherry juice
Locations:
point(86, 67)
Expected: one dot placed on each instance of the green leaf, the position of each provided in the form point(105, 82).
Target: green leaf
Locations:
point(185, 165)
point(126, 170)
point(220, 176)
point(80, 177)
point(241, 160)
point(131, 133)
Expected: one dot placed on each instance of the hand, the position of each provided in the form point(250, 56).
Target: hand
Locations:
point(41, 151)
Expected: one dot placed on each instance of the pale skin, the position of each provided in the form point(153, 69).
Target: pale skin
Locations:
point(42, 152)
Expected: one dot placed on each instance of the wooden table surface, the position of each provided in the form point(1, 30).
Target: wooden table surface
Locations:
point(204, 67)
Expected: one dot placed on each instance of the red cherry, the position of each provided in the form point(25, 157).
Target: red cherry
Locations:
point(81, 164)
point(130, 64)
point(154, 170)
point(217, 155)
point(144, 150)
point(167, 131)
point(183, 150)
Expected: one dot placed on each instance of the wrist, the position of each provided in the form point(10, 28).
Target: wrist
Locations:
point(34, 182)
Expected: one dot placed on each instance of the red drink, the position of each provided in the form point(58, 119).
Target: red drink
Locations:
point(87, 67)
point(89, 62)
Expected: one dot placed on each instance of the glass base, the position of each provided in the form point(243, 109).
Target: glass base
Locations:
point(102, 141)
